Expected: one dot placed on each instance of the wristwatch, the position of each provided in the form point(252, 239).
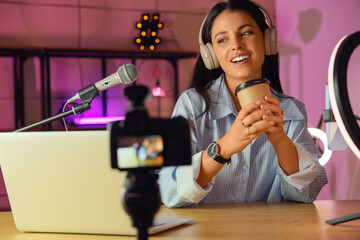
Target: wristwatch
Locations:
point(213, 153)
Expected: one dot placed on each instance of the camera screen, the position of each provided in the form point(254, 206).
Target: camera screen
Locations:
point(140, 151)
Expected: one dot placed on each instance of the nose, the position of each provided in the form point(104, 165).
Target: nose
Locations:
point(236, 43)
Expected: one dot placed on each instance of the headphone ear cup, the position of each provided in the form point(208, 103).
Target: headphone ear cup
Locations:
point(213, 56)
point(271, 41)
point(208, 56)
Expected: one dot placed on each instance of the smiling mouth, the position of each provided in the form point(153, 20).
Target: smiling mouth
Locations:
point(240, 59)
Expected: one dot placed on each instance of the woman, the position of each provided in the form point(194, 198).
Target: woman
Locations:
point(270, 161)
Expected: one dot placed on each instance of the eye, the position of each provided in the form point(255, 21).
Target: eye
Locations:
point(246, 33)
point(221, 40)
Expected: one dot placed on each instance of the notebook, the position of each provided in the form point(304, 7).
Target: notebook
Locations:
point(62, 182)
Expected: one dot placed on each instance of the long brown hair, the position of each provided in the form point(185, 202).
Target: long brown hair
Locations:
point(202, 78)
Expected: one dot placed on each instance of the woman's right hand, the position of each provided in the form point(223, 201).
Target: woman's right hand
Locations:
point(243, 131)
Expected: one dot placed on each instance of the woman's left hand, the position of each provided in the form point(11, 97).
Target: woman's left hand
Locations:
point(276, 132)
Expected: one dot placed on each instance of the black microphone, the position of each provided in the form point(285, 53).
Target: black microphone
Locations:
point(127, 73)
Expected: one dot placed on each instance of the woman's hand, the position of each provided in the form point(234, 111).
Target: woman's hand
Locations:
point(276, 132)
point(285, 149)
point(244, 131)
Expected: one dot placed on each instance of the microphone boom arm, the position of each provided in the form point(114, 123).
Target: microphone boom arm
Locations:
point(86, 94)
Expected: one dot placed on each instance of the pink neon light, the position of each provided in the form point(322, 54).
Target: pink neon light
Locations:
point(96, 120)
point(158, 92)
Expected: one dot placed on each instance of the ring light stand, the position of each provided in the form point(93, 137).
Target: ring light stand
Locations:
point(339, 100)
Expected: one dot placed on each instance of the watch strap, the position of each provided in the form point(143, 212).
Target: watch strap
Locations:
point(220, 159)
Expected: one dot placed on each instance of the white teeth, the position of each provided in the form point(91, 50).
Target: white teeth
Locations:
point(241, 58)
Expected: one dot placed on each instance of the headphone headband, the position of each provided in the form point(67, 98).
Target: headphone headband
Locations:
point(266, 14)
point(201, 29)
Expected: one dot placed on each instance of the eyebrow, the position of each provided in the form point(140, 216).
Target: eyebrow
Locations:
point(241, 27)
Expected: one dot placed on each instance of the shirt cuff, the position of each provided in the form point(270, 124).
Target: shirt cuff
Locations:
point(307, 170)
point(188, 189)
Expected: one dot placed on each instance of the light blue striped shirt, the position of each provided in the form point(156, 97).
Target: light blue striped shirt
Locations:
point(254, 174)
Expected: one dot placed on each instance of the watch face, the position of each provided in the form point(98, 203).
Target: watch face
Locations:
point(212, 150)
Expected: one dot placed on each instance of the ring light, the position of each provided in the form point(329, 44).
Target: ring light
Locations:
point(319, 134)
point(339, 99)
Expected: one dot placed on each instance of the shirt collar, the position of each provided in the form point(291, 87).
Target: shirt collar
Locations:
point(222, 104)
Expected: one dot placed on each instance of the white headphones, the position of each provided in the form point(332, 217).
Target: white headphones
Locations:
point(270, 40)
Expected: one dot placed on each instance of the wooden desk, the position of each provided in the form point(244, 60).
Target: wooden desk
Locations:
point(258, 220)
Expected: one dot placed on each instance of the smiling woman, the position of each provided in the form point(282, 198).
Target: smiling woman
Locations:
point(239, 47)
point(272, 160)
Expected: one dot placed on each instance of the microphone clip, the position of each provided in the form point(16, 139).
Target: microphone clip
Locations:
point(87, 94)
point(80, 108)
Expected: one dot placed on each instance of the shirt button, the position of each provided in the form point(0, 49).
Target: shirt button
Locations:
point(245, 168)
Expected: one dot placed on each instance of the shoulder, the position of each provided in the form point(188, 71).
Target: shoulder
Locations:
point(190, 103)
point(294, 108)
point(190, 96)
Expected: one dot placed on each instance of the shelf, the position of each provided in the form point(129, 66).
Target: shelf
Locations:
point(19, 56)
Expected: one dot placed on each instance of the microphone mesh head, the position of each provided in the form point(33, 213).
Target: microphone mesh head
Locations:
point(128, 73)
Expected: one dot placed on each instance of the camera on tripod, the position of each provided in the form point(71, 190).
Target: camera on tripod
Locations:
point(140, 142)
point(141, 145)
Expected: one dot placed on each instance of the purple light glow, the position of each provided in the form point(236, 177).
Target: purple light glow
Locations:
point(96, 120)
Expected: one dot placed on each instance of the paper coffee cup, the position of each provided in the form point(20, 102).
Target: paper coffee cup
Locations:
point(253, 91)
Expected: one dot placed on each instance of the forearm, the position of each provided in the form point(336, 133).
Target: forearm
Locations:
point(208, 169)
point(178, 186)
point(287, 155)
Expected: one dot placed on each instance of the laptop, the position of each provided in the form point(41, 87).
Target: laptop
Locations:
point(62, 182)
